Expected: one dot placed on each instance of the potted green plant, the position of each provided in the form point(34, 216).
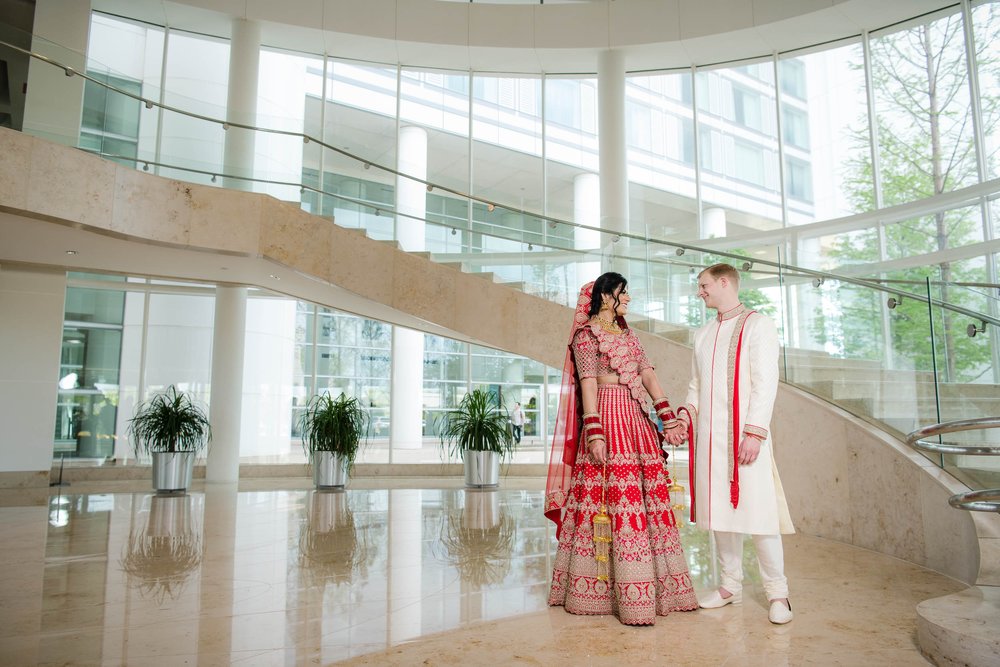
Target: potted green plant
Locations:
point(333, 431)
point(172, 429)
point(479, 433)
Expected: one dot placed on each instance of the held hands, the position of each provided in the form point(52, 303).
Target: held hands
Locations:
point(676, 434)
point(749, 449)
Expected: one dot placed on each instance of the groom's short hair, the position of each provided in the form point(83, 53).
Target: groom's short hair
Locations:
point(719, 270)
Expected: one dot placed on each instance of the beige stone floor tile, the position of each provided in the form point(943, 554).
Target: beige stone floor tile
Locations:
point(279, 576)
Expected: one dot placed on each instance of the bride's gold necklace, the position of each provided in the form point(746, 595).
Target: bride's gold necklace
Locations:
point(609, 326)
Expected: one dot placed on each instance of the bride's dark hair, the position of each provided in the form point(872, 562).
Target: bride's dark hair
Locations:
point(606, 284)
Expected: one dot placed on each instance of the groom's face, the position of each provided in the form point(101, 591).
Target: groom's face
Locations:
point(711, 290)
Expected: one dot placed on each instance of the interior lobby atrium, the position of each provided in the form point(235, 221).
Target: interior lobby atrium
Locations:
point(259, 204)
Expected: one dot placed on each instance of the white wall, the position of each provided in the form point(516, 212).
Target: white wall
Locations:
point(31, 320)
point(179, 344)
point(267, 377)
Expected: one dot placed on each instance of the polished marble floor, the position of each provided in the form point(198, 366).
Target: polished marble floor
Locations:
point(263, 575)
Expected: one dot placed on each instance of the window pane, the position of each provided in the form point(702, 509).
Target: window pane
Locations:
point(825, 131)
point(738, 147)
point(660, 129)
point(922, 110)
point(986, 29)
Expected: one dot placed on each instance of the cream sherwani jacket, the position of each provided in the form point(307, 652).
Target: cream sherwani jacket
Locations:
point(761, 508)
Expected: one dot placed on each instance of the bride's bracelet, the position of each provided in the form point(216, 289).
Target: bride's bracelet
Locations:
point(663, 411)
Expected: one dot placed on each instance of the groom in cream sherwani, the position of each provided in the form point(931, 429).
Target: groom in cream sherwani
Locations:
point(736, 490)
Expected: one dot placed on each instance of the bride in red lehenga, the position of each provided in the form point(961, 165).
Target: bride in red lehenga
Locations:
point(605, 439)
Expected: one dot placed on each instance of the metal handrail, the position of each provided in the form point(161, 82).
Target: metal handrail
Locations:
point(986, 500)
point(681, 248)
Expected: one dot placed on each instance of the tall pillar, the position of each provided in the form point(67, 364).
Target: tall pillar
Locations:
point(227, 384)
point(587, 211)
point(241, 103)
point(407, 391)
point(31, 301)
point(611, 139)
point(411, 196)
point(713, 223)
point(54, 103)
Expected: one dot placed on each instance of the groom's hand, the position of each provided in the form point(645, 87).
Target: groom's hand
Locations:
point(749, 449)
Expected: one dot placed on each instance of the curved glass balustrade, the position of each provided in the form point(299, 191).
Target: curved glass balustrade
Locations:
point(827, 284)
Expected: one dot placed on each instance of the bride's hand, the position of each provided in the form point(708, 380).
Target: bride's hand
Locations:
point(598, 450)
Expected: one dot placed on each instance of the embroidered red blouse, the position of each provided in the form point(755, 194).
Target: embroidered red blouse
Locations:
point(597, 352)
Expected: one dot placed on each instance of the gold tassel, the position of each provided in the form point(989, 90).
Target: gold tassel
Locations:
point(602, 534)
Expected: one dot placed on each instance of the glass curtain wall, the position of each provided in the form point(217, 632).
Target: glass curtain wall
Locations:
point(134, 338)
point(507, 159)
point(128, 56)
point(354, 111)
point(778, 146)
point(286, 83)
point(87, 403)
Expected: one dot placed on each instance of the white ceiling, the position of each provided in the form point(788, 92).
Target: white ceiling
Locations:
point(532, 38)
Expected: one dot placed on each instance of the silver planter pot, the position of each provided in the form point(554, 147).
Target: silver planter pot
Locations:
point(329, 470)
point(172, 471)
point(481, 468)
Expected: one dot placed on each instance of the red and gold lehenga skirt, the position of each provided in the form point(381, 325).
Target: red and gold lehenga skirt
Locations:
point(648, 574)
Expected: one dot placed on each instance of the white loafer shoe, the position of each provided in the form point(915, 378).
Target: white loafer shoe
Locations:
point(715, 600)
point(780, 613)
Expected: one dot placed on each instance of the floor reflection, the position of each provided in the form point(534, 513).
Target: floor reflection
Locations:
point(292, 576)
point(166, 550)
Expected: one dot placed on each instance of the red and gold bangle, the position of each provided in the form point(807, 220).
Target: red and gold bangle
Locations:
point(663, 410)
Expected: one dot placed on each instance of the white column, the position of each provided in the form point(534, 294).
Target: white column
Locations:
point(227, 384)
point(411, 196)
point(241, 104)
point(30, 342)
point(587, 211)
point(713, 223)
point(407, 390)
point(611, 139)
point(407, 393)
point(269, 354)
point(54, 103)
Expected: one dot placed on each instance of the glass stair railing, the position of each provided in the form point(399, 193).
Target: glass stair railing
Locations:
point(895, 351)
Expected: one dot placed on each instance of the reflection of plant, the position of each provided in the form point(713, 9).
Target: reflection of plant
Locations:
point(482, 555)
point(338, 554)
point(159, 565)
point(479, 424)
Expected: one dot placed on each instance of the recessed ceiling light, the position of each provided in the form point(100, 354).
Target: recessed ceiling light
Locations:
point(271, 275)
point(71, 252)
